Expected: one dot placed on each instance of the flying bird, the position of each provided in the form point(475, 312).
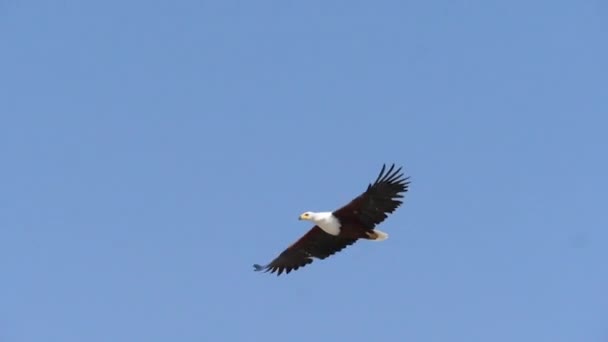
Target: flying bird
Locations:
point(334, 231)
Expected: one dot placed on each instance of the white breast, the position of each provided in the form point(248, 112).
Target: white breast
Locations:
point(327, 222)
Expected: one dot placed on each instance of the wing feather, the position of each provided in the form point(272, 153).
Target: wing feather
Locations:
point(314, 244)
point(382, 197)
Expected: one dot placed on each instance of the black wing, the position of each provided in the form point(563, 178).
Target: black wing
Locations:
point(379, 199)
point(314, 244)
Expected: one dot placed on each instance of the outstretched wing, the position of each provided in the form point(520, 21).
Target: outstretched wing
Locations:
point(314, 244)
point(379, 199)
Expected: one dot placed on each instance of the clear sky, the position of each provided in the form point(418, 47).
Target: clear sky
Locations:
point(152, 152)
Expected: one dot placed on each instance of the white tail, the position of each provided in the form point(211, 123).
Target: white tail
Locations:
point(380, 235)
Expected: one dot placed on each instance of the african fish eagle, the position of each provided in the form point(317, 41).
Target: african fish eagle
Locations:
point(334, 231)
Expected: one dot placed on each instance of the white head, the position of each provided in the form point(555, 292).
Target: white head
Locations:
point(308, 216)
point(316, 217)
point(325, 220)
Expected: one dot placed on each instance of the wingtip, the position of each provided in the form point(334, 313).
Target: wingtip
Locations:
point(258, 268)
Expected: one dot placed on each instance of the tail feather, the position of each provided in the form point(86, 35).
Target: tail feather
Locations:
point(377, 235)
point(380, 235)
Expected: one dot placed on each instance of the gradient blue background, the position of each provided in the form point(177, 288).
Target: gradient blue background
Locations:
point(151, 152)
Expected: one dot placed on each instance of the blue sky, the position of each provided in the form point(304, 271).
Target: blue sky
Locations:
point(153, 151)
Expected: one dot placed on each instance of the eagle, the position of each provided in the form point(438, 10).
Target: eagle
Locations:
point(336, 230)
